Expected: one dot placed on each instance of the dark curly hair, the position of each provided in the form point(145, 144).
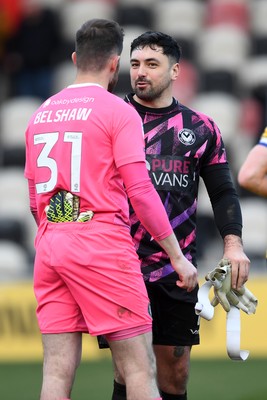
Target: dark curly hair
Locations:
point(151, 38)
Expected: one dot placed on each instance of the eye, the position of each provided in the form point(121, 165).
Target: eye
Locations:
point(134, 65)
point(152, 65)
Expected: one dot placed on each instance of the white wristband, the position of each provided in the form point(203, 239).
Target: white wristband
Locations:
point(205, 309)
point(233, 325)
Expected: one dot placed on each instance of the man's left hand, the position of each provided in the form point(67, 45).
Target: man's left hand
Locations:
point(233, 251)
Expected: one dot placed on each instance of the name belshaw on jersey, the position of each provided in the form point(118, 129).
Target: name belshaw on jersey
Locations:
point(69, 114)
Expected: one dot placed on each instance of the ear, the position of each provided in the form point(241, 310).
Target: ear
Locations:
point(175, 71)
point(74, 57)
point(114, 63)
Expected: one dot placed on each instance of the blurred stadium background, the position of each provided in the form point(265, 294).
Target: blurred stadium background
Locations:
point(223, 74)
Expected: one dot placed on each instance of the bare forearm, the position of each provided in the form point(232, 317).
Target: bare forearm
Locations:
point(256, 185)
point(253, 173)
point(186, 271)
point(171, 246)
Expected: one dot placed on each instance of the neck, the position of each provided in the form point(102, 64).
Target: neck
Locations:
point(160, 102)
point(99, 79)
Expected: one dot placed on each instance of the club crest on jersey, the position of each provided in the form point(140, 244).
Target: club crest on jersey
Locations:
point(186, 136)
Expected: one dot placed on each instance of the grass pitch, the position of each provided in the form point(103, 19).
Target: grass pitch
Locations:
point(209, 379)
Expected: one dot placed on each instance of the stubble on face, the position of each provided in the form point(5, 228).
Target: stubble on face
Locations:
point(113, 82)
point(150, 93)
point(154, 88)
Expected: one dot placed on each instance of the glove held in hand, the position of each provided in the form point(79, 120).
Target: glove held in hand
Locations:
point(224, 294)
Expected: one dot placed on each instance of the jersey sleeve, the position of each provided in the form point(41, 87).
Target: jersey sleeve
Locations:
point(216, 153)
point(145, 200)
point(128, 139)
point(224, 199)
point(28, 170)
point(33, 205)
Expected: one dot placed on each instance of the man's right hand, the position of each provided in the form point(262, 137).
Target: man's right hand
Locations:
point(185, 269)
point(187, 272)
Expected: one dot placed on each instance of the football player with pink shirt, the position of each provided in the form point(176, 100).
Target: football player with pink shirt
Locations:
point(87, 145)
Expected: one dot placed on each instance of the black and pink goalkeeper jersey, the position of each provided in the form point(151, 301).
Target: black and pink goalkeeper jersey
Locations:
point(179, 143)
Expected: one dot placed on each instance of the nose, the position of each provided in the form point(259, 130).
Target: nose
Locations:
point(141, 71)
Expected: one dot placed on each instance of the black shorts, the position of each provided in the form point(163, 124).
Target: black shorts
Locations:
point(175, 322)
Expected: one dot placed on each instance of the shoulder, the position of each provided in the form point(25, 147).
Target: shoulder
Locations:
point(207, 119)
point(120, 101)
point(200, 118)
point(120, 106)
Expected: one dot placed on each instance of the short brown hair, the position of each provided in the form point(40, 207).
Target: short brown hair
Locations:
point(96, 41)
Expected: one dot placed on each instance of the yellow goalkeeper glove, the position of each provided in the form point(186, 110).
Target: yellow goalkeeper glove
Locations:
point(65, 207)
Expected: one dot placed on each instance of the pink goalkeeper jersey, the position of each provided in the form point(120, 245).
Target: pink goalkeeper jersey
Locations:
point(76, 141)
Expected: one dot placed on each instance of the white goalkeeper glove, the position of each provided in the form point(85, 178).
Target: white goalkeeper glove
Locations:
point(224, 294)
point(232, 301)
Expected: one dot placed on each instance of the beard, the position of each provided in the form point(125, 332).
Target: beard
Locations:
point(112, 84)
point(150, 93)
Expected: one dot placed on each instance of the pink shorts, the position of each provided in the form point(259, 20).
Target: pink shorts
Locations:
point(87, 278)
